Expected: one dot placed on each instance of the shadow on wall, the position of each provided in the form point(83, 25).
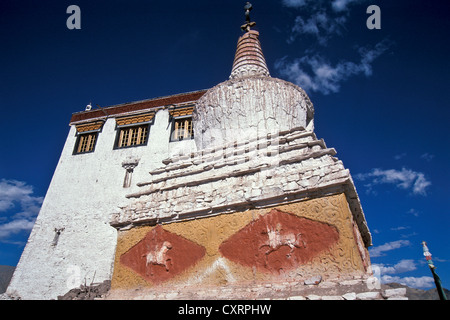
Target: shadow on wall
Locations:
point(6, 273)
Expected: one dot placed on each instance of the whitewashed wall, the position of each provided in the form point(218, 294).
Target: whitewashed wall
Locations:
point(83, 192)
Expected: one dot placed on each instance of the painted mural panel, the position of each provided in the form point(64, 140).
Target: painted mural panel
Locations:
point(289, 241)
point(279, 241)
point(161, 255)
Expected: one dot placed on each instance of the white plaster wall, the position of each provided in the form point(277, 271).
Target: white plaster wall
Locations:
point(84, 190)
point(247, 107)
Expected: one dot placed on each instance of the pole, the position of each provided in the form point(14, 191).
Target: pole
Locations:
point(436, 278)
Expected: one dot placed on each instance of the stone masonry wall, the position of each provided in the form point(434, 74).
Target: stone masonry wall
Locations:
point(354, 288)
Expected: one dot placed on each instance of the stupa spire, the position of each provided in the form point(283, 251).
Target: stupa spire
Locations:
point(248, 24)
point(249, 59)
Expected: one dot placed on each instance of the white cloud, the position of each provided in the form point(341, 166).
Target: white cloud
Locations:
point(379, 250)
point(17, 196)
point(342, 5)
point(319, 24)
point(413, 282)
point(421, 184)
point(14, 192)
point(294, 3)
point(404, 265)
point(399, 156)
point(400, 228)
point(403, 179)
point(385, 274)
point(428, 157)
point(15, 226)
point(336, 5)
point(319, 18)
point(322, 20)
point(317, 74)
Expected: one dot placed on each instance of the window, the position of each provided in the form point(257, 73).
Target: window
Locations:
point(86, 142)
point(182, 129)
point(87, 134)
point(182, 126)
point(132, 136)
point(133, 130)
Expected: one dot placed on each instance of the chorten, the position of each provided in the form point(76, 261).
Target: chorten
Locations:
point(261, 202)
point(223, 193)
point(251, 102)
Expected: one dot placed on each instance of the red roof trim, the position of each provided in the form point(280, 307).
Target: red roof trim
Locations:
point(137, 106)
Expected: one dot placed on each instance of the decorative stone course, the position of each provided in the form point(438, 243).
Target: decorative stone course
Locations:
point(273, 169)
point(286, 290)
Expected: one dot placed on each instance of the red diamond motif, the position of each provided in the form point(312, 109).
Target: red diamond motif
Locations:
point(161, 255)
point(279, 241)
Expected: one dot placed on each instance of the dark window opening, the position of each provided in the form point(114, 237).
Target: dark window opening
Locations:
point(182, 129)
point(86, 142)
point(132, 136)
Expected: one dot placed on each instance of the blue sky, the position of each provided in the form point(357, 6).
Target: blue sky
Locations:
point(380, 97)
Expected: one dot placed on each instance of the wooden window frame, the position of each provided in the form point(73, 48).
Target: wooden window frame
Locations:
point(86, 142)
point(87, 134)
point(132, 135)
point(177, 133)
